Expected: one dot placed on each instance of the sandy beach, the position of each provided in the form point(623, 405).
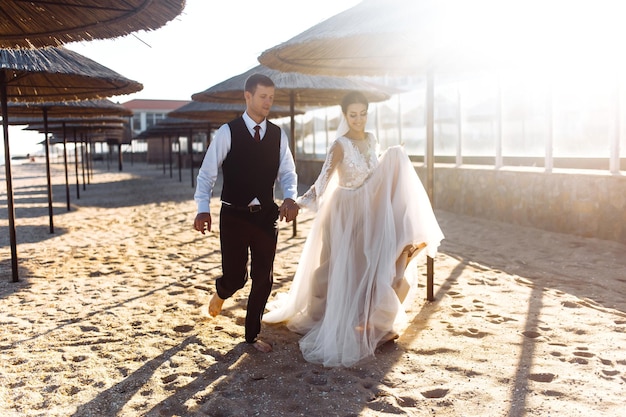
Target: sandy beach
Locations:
point(110, 317)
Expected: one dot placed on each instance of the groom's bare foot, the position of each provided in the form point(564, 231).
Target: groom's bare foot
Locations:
point(215, 305)
point(261, 346)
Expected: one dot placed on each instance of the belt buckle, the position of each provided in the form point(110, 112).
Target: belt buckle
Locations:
point(254, 209)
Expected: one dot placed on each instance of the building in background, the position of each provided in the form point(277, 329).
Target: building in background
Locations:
point(147, 113)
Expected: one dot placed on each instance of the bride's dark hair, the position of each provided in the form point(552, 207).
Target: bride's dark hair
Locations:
point(352, 98)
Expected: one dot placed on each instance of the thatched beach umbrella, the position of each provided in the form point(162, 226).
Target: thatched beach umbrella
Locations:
point(36, 24)
point(293, 89)
point(46, 75)
point(393, 37)
point(69, 109)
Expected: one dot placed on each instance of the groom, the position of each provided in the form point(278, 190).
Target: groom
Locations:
point(253, 153)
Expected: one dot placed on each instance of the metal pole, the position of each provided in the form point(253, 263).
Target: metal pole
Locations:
point(163, 152)
point(614, 163)
point(459, 121)
point(499, 159)
point(549, 158)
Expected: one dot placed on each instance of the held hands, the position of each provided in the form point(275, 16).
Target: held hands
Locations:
point(288, 210)
point(202, 222)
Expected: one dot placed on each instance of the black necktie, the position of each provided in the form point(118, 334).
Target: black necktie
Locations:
point(257, 135)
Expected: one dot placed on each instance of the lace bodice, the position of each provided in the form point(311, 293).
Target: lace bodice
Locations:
point(348, 163)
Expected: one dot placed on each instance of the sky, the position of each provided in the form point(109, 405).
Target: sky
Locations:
point(206, 44)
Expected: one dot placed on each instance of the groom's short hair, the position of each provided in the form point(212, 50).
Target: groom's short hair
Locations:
point(257, 79)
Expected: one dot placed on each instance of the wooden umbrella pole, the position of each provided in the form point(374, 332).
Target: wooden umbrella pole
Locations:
point(292, 108)
point(7, 167)
point(120, 157)
point(169, 153)
point(430, 171)
point(67, 176)
point(76, 165)
point(190, 148)
point(47, 146)
point(180, 168)
point(83, 159)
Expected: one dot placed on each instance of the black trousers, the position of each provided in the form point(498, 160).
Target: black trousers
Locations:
point(256, 234)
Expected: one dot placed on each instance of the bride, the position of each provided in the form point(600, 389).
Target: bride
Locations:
point(355, 271)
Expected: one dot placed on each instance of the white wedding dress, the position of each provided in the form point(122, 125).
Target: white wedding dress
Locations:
point(346, 296)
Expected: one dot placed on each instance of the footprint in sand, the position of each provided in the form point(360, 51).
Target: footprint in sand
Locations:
point(542, 377)
point(475, 333)
point(552, 393)
point(610, 372)
point(435, 393)
point(470, 332)
point(169, 378)
point(184, 328)
point(581, 355)
point(408, 402)
point(498, 319)
point(459, 310)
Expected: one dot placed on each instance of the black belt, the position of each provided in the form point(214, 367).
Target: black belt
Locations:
point(249, 209)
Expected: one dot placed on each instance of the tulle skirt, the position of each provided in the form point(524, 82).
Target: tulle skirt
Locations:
point(355, 271)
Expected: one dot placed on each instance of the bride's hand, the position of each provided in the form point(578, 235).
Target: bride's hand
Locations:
point(289, 210)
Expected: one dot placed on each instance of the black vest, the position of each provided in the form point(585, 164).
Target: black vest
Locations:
point(250, 168)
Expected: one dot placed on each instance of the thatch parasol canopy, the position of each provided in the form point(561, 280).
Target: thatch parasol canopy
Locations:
point(34, 120)
point(372, 38)
point(58, 74)
point(306, 90)
point(398, 37)
point(41, 23)
point(68, 109)
point(57, 126)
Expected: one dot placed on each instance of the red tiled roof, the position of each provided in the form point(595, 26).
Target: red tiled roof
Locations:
point(147, 104)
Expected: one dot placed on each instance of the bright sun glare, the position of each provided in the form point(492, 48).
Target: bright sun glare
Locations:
point(553, 37)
